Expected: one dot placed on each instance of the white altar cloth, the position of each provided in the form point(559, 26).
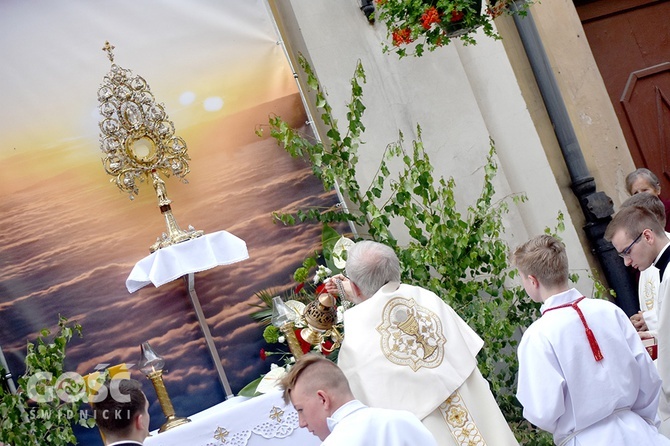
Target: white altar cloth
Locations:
point(192, 256)
point(239, 421)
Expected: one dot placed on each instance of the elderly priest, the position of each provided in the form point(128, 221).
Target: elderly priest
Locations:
point(405, 348)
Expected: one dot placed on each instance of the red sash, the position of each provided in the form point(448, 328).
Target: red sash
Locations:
point(595, 348)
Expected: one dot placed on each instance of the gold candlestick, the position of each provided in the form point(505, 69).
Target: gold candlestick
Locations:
point(156, 378)
point(151, 364)
point(282, 320)
point(291, 339)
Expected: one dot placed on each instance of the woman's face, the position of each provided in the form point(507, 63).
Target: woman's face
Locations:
point(642, 184)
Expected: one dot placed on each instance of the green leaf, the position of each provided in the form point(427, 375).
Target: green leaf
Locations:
point(250, 389)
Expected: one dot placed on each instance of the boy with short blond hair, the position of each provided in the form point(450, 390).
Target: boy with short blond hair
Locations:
point(321, 395)
point(543, 257)
point(584, 375)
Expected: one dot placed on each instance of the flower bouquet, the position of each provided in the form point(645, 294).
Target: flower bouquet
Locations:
point(422, 25)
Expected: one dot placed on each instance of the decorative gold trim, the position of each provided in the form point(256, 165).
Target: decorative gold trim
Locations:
point(280, 423)
point(650, 290)
point(220, 434)
point(276, 413)
point(460, 422)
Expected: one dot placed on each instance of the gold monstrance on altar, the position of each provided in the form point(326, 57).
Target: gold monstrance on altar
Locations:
point(139, 143)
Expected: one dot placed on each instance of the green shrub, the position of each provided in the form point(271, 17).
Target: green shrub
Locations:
point(460, 257)
point(27, 420)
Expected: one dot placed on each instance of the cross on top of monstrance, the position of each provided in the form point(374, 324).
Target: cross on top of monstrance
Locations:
point(139, 143)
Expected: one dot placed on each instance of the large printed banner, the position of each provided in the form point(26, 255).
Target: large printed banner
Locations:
point(69, 237)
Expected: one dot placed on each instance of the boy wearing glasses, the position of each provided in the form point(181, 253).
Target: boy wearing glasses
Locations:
point(639, 238)
point(584, 375)
point(649, 281)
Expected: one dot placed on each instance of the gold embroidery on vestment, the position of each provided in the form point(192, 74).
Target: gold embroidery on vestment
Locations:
point(649, 294)
point(460, 422)
point(411, 335)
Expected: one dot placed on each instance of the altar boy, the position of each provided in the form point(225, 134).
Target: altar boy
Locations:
point(123, 416)
point(584, 375)
point(641, 241)
point(321, 395)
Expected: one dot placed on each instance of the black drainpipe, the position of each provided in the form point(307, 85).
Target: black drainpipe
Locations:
point(596, 206)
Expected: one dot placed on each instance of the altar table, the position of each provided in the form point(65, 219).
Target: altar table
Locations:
point(239, 421)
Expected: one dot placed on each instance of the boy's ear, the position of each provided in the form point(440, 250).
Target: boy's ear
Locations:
point(324, 399)
point(649, 236)
point(533, 281)
point(138, 420)
point(356, 291)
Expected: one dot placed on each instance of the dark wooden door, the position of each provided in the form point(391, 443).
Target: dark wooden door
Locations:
point(630, 40)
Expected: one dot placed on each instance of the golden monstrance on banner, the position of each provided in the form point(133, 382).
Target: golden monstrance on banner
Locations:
point(140, 144)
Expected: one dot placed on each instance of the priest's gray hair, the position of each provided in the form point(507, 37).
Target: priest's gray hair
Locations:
point(371, 265)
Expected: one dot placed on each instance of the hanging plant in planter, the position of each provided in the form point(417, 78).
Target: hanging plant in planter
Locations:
point(414, 26)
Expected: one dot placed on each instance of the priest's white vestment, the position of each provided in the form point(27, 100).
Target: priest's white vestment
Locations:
point(581, 401)
point(355, 424)
point(647, 291)
point(663, 337)
point(405, 348)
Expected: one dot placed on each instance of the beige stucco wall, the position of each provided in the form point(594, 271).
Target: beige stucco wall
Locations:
point(461, 95)
point(586, 98)
point(583, 91)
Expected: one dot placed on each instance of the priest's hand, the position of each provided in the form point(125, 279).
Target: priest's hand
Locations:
point(331, 284)
point(638, 322)
point(339, 285)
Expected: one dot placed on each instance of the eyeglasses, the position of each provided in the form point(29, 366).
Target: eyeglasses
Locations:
point(626, 252)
